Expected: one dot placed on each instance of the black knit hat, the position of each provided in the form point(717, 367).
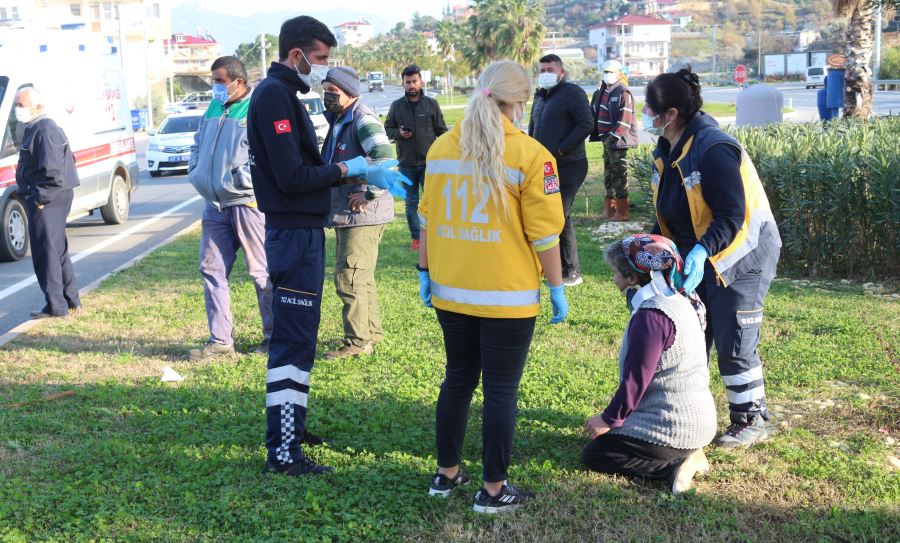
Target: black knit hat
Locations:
point(344, 77)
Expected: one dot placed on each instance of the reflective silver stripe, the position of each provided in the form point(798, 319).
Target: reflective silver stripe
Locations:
point(757, 219)
point(508, 298)
point(293, 373)
point(624, 124)
point(458, 167)
point(753, 374)
point(604, 122)
point(286, 396)
point(627, 109)
point(604, 107)
point(545, 241)
point(422, 220)
point(747, 396)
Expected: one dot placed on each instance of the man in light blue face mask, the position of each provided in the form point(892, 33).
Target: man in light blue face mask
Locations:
point(219, 168)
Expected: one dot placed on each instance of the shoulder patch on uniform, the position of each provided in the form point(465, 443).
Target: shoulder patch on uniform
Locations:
point(548, 168)
point(242, 122)
point(283, 126)
point(692, 180)
point(551, 184)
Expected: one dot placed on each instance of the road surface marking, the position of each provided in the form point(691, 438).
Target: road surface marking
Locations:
point(9, 291)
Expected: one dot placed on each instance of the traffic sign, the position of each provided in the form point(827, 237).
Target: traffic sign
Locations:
point(740, 74)
point(836, 61)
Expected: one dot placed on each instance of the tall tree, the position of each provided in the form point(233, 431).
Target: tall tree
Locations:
point(509, 29)
point(859, 42)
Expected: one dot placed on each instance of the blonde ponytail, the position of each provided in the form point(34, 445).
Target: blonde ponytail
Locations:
point(502, 84)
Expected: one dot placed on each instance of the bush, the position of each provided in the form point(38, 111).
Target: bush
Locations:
point(890, 64)
point(834, 191)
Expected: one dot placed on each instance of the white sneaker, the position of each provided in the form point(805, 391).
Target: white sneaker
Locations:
point(695, 464)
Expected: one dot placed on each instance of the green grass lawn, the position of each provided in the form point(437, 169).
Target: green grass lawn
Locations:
point(128, 458)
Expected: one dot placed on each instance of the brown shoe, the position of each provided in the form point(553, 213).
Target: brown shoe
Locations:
point(210, 349)
point(621, 210)
point(609, 209)
point(350, 349)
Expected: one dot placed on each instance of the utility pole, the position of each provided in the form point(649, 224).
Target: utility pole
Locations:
point(553, 34)
point(876, 63)
point(714, 36)
point(262, 54)
point(759, 66)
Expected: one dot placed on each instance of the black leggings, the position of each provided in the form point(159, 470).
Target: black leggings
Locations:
point(611, 453)
point(497, 349)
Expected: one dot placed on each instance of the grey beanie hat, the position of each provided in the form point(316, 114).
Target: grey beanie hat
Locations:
point(344, 77)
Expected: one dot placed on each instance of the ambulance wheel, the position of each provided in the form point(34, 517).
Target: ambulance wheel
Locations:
point(14, 238)
point(116, 209)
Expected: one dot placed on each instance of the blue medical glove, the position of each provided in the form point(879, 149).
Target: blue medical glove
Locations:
point(381, 176)
point(425, 288)
point(559, 303)
point(693, 267)
point(356, 166)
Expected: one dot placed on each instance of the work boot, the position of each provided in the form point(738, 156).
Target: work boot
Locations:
point(210, 349)
point(609, 209)
point(349, 349)
point(263, 347)
point(621, 210)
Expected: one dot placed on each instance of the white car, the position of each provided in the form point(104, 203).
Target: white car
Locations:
point(170, 147)
point(815, 77)
point(316, 109)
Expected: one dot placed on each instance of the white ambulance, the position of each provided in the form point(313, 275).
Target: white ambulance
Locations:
point(80, 75)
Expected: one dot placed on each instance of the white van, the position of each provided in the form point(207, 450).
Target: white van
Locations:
point(316, 109)
point(815, 77)
point(80, 75)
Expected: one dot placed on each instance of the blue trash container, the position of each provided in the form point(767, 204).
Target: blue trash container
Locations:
point(825, 113)
point(143, 115)
point(834, 88)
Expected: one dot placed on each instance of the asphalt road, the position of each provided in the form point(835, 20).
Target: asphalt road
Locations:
point(160, 207)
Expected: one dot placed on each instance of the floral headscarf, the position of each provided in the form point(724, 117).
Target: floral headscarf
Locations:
point(657, 256)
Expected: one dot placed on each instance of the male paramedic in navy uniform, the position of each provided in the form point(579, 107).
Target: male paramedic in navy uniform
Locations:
point(293, 189)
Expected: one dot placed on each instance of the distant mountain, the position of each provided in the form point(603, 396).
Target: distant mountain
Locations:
point(232, 30)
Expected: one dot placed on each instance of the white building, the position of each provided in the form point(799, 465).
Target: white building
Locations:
point(641, 43)
point(192, 55)
point(354, 33)
point(138, 26)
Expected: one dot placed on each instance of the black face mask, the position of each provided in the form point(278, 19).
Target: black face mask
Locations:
point(332, 101)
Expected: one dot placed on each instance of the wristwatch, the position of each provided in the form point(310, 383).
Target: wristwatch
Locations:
point(369, 194)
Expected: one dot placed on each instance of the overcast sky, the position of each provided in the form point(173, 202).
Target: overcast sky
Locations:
point(395, 10)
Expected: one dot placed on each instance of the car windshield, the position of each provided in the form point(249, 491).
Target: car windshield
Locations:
point(179, 125)
point(375, 77)
point(816, 71)
point(314, 106)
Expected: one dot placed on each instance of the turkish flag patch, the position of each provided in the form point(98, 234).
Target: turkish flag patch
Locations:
point(548, 168)
point(282, 127)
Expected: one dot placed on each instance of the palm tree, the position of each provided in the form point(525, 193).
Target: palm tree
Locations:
point(859, 39)
point(504, 29)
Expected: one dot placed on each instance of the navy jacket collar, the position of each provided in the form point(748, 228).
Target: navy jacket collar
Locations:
point(288, 77)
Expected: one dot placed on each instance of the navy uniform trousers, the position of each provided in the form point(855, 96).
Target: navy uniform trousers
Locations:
point(734, 316)
point(50, 253)
point(296, 259)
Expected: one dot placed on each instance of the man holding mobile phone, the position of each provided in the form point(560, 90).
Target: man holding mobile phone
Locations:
point(414, 122)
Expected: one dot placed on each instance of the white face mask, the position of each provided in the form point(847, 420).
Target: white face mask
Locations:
point(647, 122)
point(610, 79)
point(23, 114)
point(518, 115)
point(548, 80)
point(316, 73)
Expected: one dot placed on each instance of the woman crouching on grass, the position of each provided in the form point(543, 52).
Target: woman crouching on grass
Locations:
point(663, 413)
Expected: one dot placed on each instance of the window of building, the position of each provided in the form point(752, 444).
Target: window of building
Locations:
point(2, 13)
point(156, 10)
point(15, 12)
point(75, 9)
point(95, 11)
point(107, 10)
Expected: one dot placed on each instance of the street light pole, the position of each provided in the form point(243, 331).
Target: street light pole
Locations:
point(876, 64)
point(262, 54)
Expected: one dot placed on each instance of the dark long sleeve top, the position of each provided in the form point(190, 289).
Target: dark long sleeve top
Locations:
point(650, 333)
point(561, 120)
point(46, 163)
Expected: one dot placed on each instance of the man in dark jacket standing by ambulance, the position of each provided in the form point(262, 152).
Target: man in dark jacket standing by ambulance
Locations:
point(46, 178)
point(293, 184)
point(613, 108)
point(561, 120)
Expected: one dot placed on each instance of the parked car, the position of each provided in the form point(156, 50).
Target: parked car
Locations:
point(94, 114)
point(198, 101)
point(170, 147)
point(316, 109)
point(815, 77)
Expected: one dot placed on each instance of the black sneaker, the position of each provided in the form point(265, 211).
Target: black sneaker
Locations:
point(573, 279)
point(312, 439)
point(442, 486)
point(744, 435)
point(508, 499)
point(302, 467)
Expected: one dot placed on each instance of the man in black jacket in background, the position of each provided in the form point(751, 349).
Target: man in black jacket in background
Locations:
point(561, 119)
point(46, 178)
point(293, 184)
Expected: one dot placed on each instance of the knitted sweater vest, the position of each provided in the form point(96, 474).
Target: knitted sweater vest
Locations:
point(677, 410)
